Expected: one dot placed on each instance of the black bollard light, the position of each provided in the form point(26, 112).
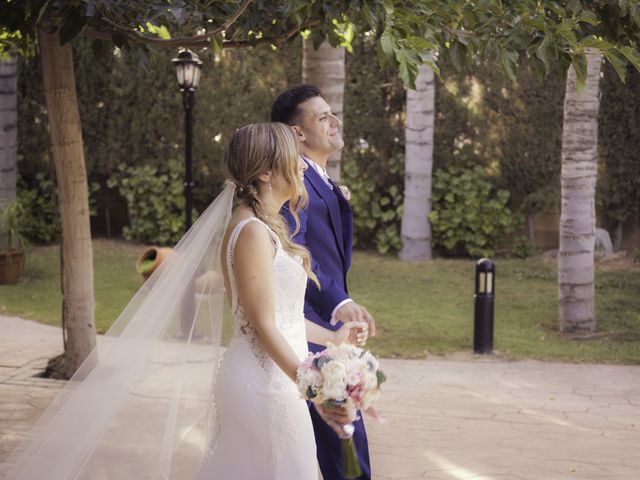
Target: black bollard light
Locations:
point(483, 307)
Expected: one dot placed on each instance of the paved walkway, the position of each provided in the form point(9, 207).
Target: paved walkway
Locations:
point(478, 419)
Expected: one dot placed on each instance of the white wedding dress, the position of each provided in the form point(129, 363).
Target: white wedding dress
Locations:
point(263, 427)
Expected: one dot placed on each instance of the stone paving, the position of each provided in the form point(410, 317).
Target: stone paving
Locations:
point(469, 419)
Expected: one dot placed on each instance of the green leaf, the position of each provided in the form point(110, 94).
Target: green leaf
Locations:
point(408, 62)
point(596, 42)
point(566, 32)
point(617, 62)
point(458, 55)
point(509, 60)
point(387, 43)
point(43, 8)
point(161, 31)
point(369, 14)
point(587, 16)
point(546, 51)
point(632, 55)
point(579, 63)
point(216, 43)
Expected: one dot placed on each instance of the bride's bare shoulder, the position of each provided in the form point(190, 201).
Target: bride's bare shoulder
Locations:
point(252, 238)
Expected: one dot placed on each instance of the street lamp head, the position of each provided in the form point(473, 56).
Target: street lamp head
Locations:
point(188, 67)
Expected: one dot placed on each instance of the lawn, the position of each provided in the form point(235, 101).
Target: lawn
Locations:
point(420, 309)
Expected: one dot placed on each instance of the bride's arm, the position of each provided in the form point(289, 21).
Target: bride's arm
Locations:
point(352, 332)
point(253, 268)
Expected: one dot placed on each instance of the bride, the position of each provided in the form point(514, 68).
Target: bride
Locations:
point(261, 413)
point(134, 409)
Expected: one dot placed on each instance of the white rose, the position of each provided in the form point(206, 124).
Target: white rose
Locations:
point(308, 378)
point(334, 380)
point(370, 381)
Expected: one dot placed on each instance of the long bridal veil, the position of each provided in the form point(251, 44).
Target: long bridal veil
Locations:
point(137, 407)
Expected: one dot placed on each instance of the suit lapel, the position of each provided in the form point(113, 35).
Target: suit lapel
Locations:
point(325, 192)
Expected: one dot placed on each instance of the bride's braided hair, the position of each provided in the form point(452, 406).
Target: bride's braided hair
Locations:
point(259, 148)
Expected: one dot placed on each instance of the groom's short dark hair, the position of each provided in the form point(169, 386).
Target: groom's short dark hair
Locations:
point(285, 108)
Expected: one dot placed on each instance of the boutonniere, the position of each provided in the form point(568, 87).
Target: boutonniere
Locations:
point(346, 193)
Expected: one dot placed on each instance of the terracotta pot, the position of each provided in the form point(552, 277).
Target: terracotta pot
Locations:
point(10, 266)
point(155, 254)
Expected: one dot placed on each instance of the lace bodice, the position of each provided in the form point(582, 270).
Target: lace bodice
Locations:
point(290, 284)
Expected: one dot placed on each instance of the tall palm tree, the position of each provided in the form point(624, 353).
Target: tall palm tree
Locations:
point(324, 68)
point(8, 130)
point(416, 229)
point(576, 292)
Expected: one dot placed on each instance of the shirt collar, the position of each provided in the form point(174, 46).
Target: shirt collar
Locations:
point(321, 171)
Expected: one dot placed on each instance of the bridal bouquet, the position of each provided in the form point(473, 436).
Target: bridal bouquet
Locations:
point(342, 376)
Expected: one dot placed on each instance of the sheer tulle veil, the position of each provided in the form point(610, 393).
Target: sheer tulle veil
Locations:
point(141, 405)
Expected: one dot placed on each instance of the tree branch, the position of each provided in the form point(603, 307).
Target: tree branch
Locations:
point(200, 41)
point(136, 36)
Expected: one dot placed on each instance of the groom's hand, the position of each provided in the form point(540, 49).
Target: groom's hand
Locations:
point(354, 333)
point(353, 312)
point(335, 417)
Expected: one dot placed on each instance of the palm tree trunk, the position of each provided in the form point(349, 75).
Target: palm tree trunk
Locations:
point(65, 136)
point(324, 68)
point(576, 289)
point(8, 131)
point(416, 229)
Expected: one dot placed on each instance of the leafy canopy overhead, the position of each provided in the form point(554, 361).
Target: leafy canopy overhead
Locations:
point(553, 34)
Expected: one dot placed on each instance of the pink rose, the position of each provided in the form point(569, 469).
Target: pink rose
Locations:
point(356, 393)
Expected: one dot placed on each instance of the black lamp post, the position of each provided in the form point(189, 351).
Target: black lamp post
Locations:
point(188, 69)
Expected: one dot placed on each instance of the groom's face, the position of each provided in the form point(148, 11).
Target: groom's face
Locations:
point(318, 129)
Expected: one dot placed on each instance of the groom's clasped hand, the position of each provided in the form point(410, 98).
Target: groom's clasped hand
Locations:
point(354, 313)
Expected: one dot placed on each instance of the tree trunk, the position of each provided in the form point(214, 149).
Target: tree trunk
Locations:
point(324, 68)
point(8, 131)
point(576, 289)
point(416, 229)
point(65, 136)
point(618, 237)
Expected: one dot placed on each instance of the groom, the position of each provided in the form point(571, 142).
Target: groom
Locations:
point(325, 229)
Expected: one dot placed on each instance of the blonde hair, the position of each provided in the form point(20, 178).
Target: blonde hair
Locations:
point(259, 148)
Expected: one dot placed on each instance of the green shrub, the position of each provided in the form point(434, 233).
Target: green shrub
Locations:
point(40, 222)
point(469, 216)
point(377, 207)
point(523, 247)
point(11, 236)
point(155, 201)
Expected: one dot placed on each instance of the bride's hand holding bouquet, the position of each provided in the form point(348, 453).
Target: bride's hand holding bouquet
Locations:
point(342, 377)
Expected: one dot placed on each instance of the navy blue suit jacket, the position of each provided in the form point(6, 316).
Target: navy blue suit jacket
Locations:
point(325, 229)
point(328, 239)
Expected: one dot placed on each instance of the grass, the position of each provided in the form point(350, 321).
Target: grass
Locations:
point(38, 295)
point(420, 309)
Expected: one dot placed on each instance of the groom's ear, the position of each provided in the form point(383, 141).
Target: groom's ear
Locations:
point(299, 132)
